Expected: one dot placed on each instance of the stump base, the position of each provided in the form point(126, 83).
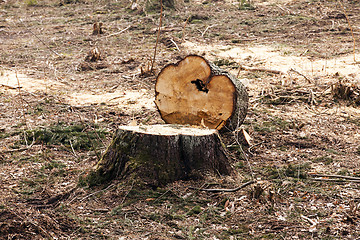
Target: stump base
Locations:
point(160, 154)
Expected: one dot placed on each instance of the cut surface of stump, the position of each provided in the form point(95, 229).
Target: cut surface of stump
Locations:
point(160, 154)
point(196, 92)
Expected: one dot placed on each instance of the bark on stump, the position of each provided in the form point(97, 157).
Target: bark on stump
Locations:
point(197, 92)
point(161, 154)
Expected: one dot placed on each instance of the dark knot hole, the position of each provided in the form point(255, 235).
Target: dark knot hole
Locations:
point(200, 85)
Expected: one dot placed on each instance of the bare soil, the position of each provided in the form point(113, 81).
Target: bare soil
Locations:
point(58, 113)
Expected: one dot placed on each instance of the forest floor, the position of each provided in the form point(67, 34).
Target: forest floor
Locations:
point(58, 113)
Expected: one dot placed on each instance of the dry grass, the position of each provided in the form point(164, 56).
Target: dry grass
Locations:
point(297, 126)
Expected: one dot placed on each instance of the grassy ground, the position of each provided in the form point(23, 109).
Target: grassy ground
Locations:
point(54, 128)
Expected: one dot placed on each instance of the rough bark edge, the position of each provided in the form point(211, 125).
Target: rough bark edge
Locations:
point(241, 101)
point(120, 161)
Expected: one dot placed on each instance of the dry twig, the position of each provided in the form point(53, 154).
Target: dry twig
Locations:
point(334, 176)
point(183, 32)
point(206, 29)
point(351, 29)
point(242, 67)
point(335, 180)
point(21, 100)
point(32, 33)
point(92, 194)
point(117, 33)
point(299, 73)
point(158, 37)
point(214, 190)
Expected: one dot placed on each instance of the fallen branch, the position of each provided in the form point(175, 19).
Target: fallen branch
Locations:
point(299, 73)
point(242, 67)
point(15, 150)
point(224, 190)
point(335, 180)
point(334, 176)
point(10, 87)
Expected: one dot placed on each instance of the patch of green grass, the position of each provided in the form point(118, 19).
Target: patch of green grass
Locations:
point(343, 171)
point(54, 165)
point(31, 3)
point(327, 160)
point(154, 7)
point(75, 136)
point(246, 5)
point(29, 186)
point(298, 171)
point(37, 110)
point(332, 151)
point(238, 230)
point(4, 135)
point(269, 236)
point(225, 62)
point(194, 211)
point(117, 210)
point(239, 164)
point(355, 121)
point(57, 168)
point(283, 148)
point(273, 124)
point(197, 18)
point(49, 173)
point(155, 217)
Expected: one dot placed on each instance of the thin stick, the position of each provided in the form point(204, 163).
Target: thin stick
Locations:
point(73, 150)
point(117, 33)
point(257, 144)
point(175, 44)
point(351, 29)
point(10, 87)
point(183, 32)
point(158, 37)
point(123, 200)
point(236, 137)
point(334, 176)
point(22, 100)
point(207, 28)
point(157, 199)
point(335, 180)
point(91, 194)
point(312, 222)
point(57, 54)
point(297, 72)
point(15, 150)
point(224, 190)
point(242, 67)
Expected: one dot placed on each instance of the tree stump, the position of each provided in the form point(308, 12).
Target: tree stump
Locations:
point(160, 154)
point(196, 92)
